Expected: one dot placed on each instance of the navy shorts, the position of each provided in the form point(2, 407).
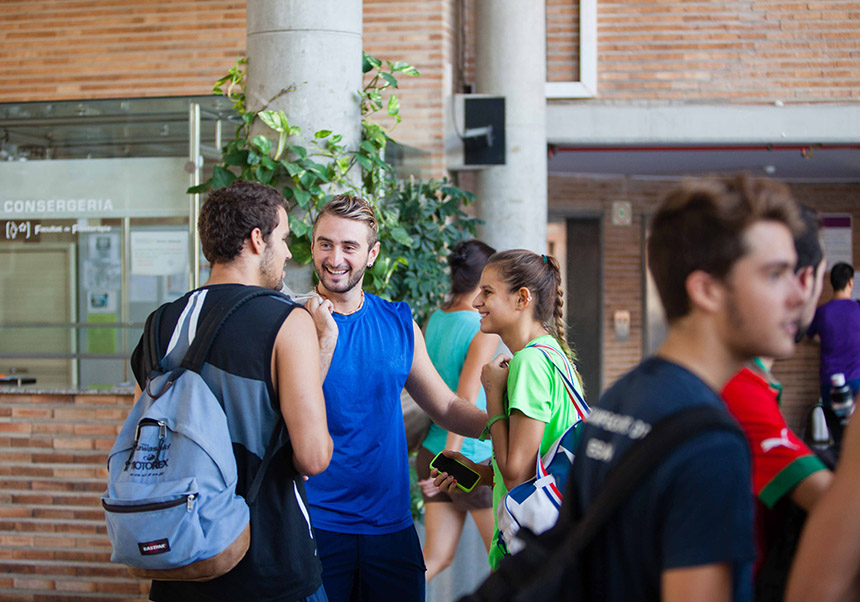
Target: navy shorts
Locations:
point(372, 568)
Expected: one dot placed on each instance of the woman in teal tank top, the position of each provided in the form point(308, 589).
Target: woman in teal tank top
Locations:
point(458, 351)
point(520, 299)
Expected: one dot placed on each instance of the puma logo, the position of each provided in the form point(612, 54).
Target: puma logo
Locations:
point(781, 441)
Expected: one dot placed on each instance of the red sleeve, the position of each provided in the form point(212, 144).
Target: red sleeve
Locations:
point(780, 459)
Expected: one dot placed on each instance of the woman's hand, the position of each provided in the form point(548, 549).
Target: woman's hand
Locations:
point(447, 484)
point(494, 377)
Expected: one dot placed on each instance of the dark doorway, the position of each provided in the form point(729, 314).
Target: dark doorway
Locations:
point(585, 300)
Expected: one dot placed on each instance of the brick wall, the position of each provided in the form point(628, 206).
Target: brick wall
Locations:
point(739, 51)
point(750, 50)
point(53, 541)
point(623, 268)
point(420, 33)
point(69, 49)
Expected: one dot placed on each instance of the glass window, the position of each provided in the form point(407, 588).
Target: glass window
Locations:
point(95, 229)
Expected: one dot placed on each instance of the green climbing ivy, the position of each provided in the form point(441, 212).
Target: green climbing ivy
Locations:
point(419, 220)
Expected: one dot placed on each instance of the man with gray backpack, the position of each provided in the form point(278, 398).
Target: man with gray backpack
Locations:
point(205, 490)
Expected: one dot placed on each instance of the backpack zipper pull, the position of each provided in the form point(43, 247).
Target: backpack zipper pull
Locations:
point(189, 504)
point(162, 435)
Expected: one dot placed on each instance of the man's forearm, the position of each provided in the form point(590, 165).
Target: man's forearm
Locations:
point(326, 353)
point(463, 418)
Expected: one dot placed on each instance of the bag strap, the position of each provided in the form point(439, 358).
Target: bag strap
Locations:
point(254, 489)
point(151, 359)
point(546, 558)
point(197, 352)
point(579, 403)
point(640, 460)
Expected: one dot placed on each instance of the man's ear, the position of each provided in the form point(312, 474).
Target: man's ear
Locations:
point(373, 254)
point(705, 292)
point(806, 278)
point(256, 244)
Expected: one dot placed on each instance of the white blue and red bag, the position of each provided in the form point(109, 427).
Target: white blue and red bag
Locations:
point(535, 503)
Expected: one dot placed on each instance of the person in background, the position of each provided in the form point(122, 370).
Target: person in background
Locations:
point(458, 350)
point(784, 468)
point(837, 327)
point(722, 257)
point(520, 299)
point(827, 564)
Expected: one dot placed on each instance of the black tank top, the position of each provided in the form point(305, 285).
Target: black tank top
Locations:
point(282, 563)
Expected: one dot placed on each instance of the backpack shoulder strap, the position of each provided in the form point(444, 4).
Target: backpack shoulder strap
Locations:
point(254, 489)
point(641, 459)
point(581, 406)
point(199, 350)
point(215, 319)
point(150, 356)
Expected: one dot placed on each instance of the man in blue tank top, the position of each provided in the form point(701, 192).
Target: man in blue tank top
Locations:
point(265, 366)
point(360, 504)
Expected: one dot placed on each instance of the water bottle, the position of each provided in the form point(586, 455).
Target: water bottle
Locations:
point(841, 399)
point(817, 435)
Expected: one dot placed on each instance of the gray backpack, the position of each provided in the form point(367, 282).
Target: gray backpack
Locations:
point(171, 505)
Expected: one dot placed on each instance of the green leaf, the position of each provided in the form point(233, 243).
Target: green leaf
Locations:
point(400, 235)
point(322, 134)
point(291, 168)
point(263, 175)
point(298, 227)
point(200, 188)
point(368, 63)
point(403, 68)
point(288, 192)
point(269, 163)
point(277, 120)
point(237, 158)
point(301, 250)
point(392, 81)
point(303, 197)
point(221, 177)
point(263, 144)
point(368, 146)
point(364, 162)
point(307, 178)
point(299, 151)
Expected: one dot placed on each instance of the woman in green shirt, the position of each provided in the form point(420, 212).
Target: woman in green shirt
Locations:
point(520, 299)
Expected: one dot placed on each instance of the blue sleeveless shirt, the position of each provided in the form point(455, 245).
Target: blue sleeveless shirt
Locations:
point(365, 489)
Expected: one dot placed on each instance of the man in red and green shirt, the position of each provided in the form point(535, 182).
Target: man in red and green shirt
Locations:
point(783, 466)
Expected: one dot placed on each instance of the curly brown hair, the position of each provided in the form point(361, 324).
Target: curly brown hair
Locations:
point(230, 214)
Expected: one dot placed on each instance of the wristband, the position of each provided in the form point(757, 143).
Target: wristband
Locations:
point(485, 434)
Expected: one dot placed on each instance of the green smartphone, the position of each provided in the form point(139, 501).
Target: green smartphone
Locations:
point(466, 477)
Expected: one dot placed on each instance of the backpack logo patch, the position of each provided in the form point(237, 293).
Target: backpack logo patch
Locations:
point(150, 548)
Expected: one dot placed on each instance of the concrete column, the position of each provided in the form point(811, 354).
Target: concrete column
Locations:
point(511, 62)
point(304, 57)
